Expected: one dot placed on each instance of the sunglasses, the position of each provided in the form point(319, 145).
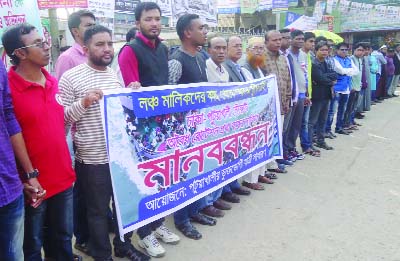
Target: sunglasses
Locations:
point(344, 50)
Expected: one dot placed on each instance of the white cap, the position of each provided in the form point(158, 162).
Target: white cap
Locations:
point(383, 46)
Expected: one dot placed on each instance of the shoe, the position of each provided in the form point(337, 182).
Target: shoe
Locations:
point(344, 132)
point(241, 191)
point(395, 95)
point(359, 116)
point(265, 179)
point(189, 231)
point(277, 170)
point(270, 175)
point(285, 162)
point(77, 257)
point(212, 211)
point(82, 247)
point(163, 233)
point(298, 155)
point(290, 158)
point(152, 246)
point(103, 259)
point(204, 220)
point(323, 145)
point(220, 204)
point(330, 135)
point(230, 197)
point(132, 254)
point(253, 186)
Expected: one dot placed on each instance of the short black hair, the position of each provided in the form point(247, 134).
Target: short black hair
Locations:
point(11, 39)
point(184, 23)
point(320, 38)
point(131, 34)
point(342, 44)
point(145, 6)
point(357, 45)
point(96, 29)
point(74, 20)
point(308, 35)
point(296, 33)
point(390, 50)
point(321, 44)
point(284, 30)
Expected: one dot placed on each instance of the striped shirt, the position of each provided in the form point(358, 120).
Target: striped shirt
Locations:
point(89, 136)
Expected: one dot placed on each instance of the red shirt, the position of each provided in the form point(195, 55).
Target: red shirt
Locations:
point(40, 113)
point(128, 63)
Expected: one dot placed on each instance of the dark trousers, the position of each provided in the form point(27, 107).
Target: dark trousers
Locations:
point(96, 181)
point(296, 118)
point(58, 212)
point(350, 108)
point(12, 230)
point(183, 215)
point(149, 228)
point(317, 120)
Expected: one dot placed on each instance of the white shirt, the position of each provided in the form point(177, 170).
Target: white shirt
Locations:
point(216, 73)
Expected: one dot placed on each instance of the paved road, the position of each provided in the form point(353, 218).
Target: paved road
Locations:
point(343, 206)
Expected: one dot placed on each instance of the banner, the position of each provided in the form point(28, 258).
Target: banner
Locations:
point(279, 6)
point(248, 6)
point(165, 6)
point(169, 146)
point(264, 5)
point(14, 12)
point(304, 23)
point(47, 4)
point(228, 6)
point(103, 10)
point(291, 18)
point(206, 9)
point(126, 6)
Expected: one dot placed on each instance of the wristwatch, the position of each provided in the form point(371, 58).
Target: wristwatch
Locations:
point(32, 174)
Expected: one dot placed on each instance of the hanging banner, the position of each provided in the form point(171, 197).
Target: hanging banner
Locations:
point(103, 10)
point(165, 6)
point(248, 6)
point(291, 18)
point(228, 6)
point(206, 9)
point(264, 5)
point(279, 6)
point(304, 23)
point(169, 146)
point(47, 4)
point(293, 3)
point(14, 12)
point(126, 6)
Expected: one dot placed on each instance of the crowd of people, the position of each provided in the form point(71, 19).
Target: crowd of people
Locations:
point(317, 80)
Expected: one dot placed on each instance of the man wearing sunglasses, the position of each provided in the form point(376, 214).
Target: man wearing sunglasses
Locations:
point(345, 69)
point(40, 114)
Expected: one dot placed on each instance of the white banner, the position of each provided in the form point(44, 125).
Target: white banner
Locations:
point(104, 12)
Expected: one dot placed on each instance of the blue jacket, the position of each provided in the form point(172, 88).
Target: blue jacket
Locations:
point(343, 81)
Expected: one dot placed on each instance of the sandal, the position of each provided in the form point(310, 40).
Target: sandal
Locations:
point(270, 175)
point(189, 231)
point(314, 153)
point(278, 170)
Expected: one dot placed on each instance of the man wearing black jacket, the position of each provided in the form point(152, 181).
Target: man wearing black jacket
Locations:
point(396, 77)
point(323, 79)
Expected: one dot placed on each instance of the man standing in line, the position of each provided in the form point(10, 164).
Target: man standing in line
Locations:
point(345, 69)
point(39, 112)
point(277, 64)
point(78, 23)
point(81, 89)
point(187, 65)
point(12, 199)
point(396, 77)
point(145, 60)
point(217, 46)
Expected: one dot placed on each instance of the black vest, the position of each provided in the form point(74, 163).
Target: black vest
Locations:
point(152, 63)
point(193, 67)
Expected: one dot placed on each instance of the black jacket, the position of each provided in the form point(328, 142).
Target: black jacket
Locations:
point(322, 76)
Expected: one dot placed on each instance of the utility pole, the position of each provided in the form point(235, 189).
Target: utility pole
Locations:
point(55, 34)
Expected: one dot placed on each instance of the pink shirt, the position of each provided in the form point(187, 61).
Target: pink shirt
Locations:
point(72, 57)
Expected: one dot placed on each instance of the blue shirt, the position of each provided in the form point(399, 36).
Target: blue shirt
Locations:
point(10, 184)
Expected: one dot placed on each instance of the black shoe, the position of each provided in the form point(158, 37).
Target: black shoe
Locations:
point(395, 95)
point(189, 231)
point(323, 145)
point(104, 259)
point(342, 132)
point(131, 253)
point(230, 197)
point(82, 247)
point(204, 220)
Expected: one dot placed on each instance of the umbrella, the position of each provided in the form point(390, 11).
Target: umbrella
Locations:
point(329, 35)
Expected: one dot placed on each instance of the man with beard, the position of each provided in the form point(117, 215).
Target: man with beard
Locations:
point(187, 65)
point(81, 89)
point(256, 60)
point(145, 60)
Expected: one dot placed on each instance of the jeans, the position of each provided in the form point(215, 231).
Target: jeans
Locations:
point(338, 104)
point(296, 124)
point(304, 139)
point(350, 108)
point(393, 85)
point(183, 215)
point(12, 230)
point(231, 186)
point(285, 130)
point(389, 79)
point(149, 228)
point(96, 180)
point(317, 120)
point(58, 212)
point(211, 198)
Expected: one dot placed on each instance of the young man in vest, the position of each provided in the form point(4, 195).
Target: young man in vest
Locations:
point(345, 69)
point(187, 65)
point(145, 60)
